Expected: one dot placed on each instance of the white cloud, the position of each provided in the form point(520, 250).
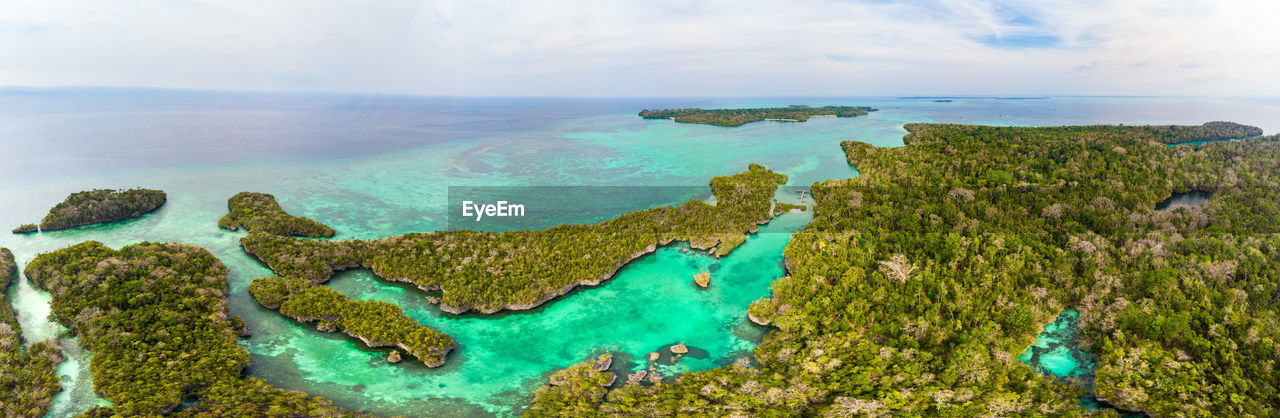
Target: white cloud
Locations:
point(719, 47)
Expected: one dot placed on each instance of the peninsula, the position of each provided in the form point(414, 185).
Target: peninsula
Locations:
point(739, 117)
point(260, 212)
point(98, 206)
point(516, 270)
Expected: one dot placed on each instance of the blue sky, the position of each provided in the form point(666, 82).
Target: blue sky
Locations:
point(651, 47)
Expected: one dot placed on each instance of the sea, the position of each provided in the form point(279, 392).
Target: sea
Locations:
point(373, 166)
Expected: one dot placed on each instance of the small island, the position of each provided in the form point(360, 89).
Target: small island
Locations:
point(702, 279)
point(156, 318)
point(377, 324)
point(97, 206)
point(260, 212)
point(739, 117)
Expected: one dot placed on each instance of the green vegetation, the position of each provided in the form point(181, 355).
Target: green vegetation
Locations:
point(377, 324)
point(919, 283)
point(28, 378)
point(490, 271)
point(259, 212)
point(102, 205)
point(155, 316)
point(575, 390)
point(1211, 131)
point(25, 229)
point(98, 206)
point(739, 117)
point(782, 207)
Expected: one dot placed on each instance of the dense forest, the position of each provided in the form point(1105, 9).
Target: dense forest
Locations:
point(260, 212)
point(1211, 131)
point(920, 282)
point(97, 206)
point(155, 317)
point(492, 271)
point(28, 377)
point(739, 117)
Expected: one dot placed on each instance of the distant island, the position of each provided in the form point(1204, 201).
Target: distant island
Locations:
point(739, 117)
point(97, 206)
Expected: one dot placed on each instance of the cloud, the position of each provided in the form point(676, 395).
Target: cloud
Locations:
point(656, 47)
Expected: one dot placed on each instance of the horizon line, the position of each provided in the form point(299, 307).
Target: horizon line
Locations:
point(28, 88)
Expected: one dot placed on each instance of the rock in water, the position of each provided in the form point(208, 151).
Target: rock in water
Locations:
point(637, 377)
point(679, 349)
point(654, 356)
point(702, 279)
point(394, 357)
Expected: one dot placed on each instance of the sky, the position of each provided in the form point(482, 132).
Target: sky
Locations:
point(650, 47)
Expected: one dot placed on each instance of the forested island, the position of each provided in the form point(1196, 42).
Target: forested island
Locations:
point(97, 206)
point(260, 212)
point(920, 282)
point(492, 271)
point(28, 377)
point(155, 316)
point(377, 324)
point(739, 117)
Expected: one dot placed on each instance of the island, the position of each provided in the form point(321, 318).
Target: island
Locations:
point(28, 377)
point(739, 117)
point(517, 270)
point(918, 284)
point(260, 212)
point(155, 316)
point(98, 206)
point(376, 324)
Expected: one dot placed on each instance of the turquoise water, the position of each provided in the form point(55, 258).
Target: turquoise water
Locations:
point(1057, 350)
point(373, 167)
